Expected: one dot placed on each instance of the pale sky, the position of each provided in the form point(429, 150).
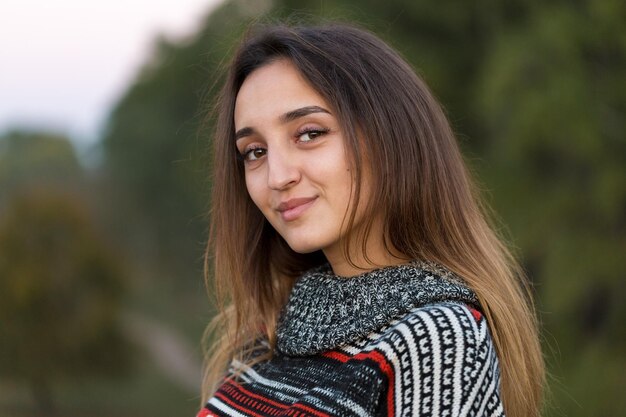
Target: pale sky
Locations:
point(64, 63)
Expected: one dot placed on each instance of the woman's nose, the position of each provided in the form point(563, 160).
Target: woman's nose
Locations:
point(283, 169)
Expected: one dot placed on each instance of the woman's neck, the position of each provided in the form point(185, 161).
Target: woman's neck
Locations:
point(352, 267)
point(357, 262)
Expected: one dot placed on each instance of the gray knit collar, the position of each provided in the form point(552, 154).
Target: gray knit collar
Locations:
point(325, 311)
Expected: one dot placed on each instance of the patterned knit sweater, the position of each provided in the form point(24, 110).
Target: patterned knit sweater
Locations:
point(404, 340)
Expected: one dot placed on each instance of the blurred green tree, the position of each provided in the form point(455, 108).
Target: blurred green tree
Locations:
point(60, 285)
point(550, 95)
point(156, 164)
point(60, 293)
point(33, 158)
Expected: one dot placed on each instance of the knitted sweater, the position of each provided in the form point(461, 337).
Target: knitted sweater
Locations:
point(404, 340)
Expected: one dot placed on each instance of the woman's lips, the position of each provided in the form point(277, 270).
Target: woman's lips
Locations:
point(292, 209)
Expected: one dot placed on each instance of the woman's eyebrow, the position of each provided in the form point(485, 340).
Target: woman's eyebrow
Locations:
point(243, 132)
point(285, 118)
point(301, 112)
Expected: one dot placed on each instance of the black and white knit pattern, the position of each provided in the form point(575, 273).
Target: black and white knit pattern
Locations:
point(325, 310)
point(399, 341)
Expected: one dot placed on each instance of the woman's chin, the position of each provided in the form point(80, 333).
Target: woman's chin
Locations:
point(303, 246)
point(304, 249)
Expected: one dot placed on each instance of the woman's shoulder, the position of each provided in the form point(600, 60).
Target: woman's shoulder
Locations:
point(451, 312)
point(450, 330)
point(439, 356)
point(448, 349)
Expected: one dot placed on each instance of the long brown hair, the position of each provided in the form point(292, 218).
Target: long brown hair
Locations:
point(430, 204)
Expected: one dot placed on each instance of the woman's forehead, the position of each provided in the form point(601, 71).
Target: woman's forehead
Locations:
point(273, 90)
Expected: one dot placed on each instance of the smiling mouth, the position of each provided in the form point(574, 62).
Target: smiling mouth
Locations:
point(293, 209)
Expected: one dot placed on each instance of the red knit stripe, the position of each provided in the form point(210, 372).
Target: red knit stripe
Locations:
point(383, 365)
point(205, 412)
point(333, 354)
point(257, 396)
point(387, 369)
point(237, 406)
point(477, 315)
point(310, 410)
point(238, 393)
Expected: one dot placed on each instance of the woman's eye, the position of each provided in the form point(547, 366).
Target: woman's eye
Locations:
point(253, 154)
point(311, 134)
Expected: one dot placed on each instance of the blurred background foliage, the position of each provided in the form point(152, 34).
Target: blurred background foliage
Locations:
point(102, 300)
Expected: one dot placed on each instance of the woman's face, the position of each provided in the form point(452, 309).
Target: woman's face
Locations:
point(296, 168)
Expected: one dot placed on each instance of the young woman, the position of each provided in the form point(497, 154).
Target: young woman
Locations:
point(357, 270)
